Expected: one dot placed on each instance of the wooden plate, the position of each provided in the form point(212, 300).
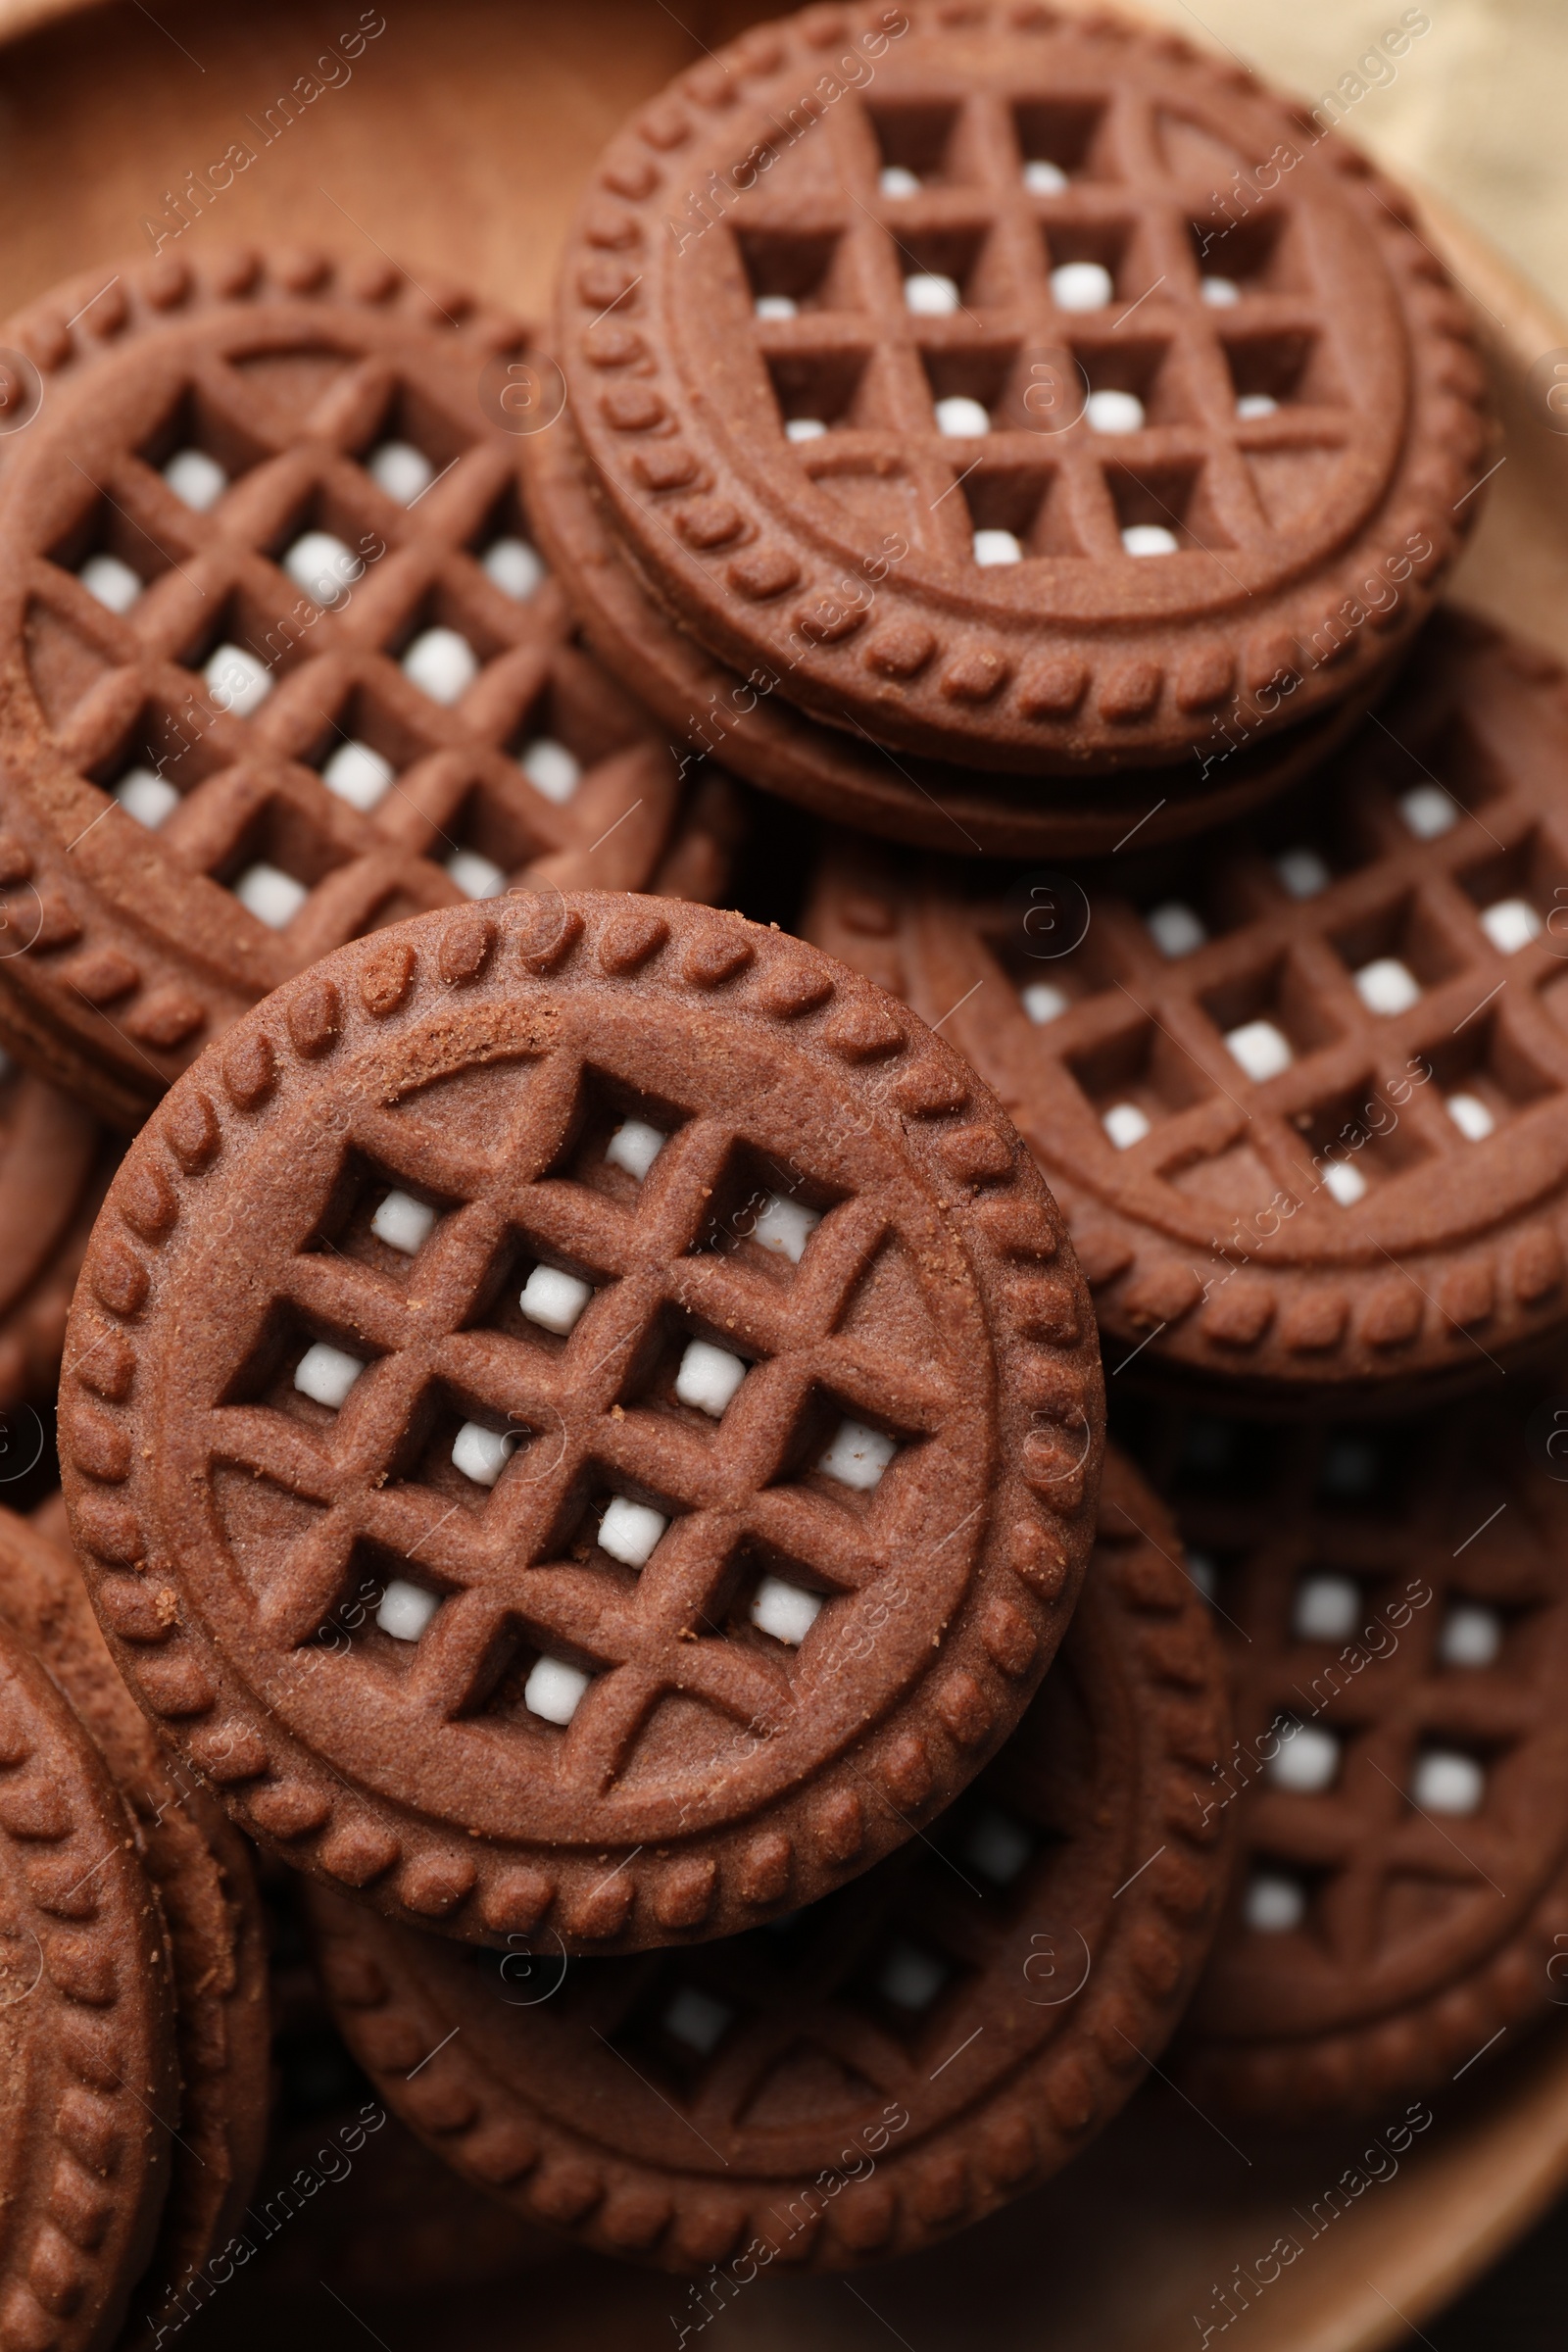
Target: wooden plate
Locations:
point(456, 140)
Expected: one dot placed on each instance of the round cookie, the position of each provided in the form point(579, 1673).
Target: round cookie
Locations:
point(956, 812)
point(1302, 1090)
point(1392, 1604)
point(278, 660)
point(924, 372)
point(55, 1162)
point(207, 1891)
point(870, 2074)
point(88, 2079)
point(645, 1455)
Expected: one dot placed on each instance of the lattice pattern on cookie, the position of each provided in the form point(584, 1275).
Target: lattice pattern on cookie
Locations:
point(1304, 1039)
point(1391, 1602)
point(951, 317)
point(991, 309)
point(529, 1345)
point(343, 702)
point(995, 1986)
point(557, 1478)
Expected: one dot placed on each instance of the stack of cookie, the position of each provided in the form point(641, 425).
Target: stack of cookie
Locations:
point(582, 1419)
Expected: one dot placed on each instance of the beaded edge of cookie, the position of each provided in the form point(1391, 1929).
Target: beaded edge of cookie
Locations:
point(1009, 1616)
point(1445, 452)
point(152, 992)
point(62, 2239)
point(1017, 2135)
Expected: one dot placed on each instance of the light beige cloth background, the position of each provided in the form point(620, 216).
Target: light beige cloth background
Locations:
point(1476, 107)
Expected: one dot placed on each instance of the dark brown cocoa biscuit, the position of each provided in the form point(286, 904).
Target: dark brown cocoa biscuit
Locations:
point(765, 737)
point(88, 2079)
point(1394, 1606)
point(278, 662)
point(870, 2074)
point(1301, 1089)
point(55, 1162)
point(921, 366)
point(207, 1888)
point(778, 1242)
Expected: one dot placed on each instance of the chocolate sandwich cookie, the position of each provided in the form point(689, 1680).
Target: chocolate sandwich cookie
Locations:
point(933, 803)
point(582, 1413)
point(206, 1891)
point(1393, 1605)
point(930, 385)
point(1301, 1089)
point(279, 661)
point(88, 2076)
point(862, 2077)
point(55, 1162)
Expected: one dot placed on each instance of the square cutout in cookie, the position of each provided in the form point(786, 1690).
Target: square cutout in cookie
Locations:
point(1484, 1076)
point(1141, 376)
point(1138, 1069)
point(1254, 256)
point(278, 858)
point(917, 139)
point(1066, 133)
point(157, 761)
point(197, 425)
point(1279, 994)
point(805, 268)
point(1518, 893)
point(1170, 496)
point(1286, 367)
point(409, 420)
point(822, 392)
point(1108, 246)
point(764, 1214)
point(1401, 932)
point(1351, 1143)
point(616, 1138)
point(377, 1218)
point(1028, 503)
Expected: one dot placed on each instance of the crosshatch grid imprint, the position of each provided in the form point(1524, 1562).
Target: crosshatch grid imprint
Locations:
point(1062, 493)
point(879, 1327)
point(296, 379)
point(1439, 851)
point(511, 1559)
point(999, 1994)
point(1329, 297)
point(1421, 1931)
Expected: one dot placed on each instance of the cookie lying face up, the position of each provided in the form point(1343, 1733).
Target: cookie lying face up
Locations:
point(1394, 1609)
point(280, 659)
point(860, 2077)
point(928, 387)
point(583, 1413)
point(1302, 1090)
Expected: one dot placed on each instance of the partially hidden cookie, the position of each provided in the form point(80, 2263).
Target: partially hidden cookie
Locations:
point(1392, 1603)
point(1300, 1090)
point(1022, 389)
point(843, 773)
point(610, 1406)
point(870, 2074)
point(55, 1160)
point(279, 661)
point(88, 2076)
point(207, 1891)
